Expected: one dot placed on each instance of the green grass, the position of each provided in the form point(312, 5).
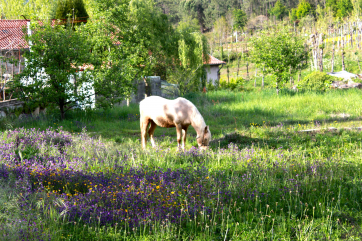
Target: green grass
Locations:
point(312, 180)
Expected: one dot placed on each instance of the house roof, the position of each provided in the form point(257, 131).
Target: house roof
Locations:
point(11, 34)
point(214, 61)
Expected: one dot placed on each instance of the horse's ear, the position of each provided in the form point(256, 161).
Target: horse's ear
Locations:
point(206, 129)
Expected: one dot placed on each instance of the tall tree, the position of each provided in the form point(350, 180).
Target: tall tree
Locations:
point(73, 8)
point(193, 51)
point(240, 19)
point(51, 75)
point(279, 10)
point(196, 9)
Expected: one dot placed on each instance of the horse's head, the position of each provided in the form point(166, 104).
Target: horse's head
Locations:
point(204, 139)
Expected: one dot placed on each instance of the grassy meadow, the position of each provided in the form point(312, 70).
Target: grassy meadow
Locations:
point(264, 177)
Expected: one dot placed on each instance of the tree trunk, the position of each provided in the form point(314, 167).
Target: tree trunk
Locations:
point(237, 72)
point(343, 65)
point(247, 70)
point(332, 62)
point(256, 72)
point(321, 61)
point(62, 111)
point(262, 80)
point(227, 70)
point(299, 75)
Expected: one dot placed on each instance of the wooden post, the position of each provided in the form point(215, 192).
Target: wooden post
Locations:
point(262, 80)
point(247, 70)
point(343, 65)
point(237, 72)
point(332, 63)
point(321, 61)
point(256, 72)
point(227, 70)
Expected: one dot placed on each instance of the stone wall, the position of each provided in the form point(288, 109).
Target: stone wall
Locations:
point(149, 86)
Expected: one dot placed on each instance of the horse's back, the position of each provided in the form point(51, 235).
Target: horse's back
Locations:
point(163, 110)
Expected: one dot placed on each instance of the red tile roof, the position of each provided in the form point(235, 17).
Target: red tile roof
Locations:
point(11, 34)
point(214, 61)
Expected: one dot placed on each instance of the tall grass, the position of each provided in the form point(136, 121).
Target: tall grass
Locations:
point(263, 178)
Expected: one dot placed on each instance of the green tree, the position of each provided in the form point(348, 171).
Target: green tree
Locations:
point(193, 51)
point(304, 8)
point(14, 9)
point(240, 19)
point(51, 75)
point(340, 8)
point(279, 10)
point(345, 7)
point(73, 8)
point(196, 9)
point(280, 52)
point(131, 39)
point(332, 4)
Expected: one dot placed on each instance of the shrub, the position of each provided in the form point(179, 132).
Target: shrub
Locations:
point(316, 81)
point(234, 84)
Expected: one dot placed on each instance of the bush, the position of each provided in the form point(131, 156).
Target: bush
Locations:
point(234, 84)
point(316, 81)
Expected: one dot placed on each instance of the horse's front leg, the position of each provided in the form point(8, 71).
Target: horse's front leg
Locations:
point(144, 125)
point(179, 134)
point(184, 133)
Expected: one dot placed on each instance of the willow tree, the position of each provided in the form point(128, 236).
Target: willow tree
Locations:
point(188, 70)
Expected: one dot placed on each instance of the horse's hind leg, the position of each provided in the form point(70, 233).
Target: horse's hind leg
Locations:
point(179, 134)
point(184, 133)
point(151, 131)
point(144, 125)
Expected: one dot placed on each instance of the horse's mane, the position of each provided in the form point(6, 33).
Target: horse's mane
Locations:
point(198, 119)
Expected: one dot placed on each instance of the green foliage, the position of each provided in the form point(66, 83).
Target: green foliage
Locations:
point(316, 81)
point(293, 14)
point(340, 8)
point(195, 8)
point(56, 55)
point(280, 52)
point(304, 8)
point(192, 53)
point(279, 10)
point(129, 42)
point(233, 85)
point(345, 7)
point(72, 8)
point(240, 19)
point(43, 9)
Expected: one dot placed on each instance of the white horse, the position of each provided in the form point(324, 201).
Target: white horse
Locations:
point(179, 113)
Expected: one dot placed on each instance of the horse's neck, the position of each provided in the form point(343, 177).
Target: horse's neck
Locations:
point(198, 123)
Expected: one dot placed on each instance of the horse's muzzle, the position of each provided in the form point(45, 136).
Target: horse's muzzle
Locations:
point(204, 148)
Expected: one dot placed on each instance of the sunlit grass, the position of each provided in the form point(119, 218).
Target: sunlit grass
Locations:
point(263, 178)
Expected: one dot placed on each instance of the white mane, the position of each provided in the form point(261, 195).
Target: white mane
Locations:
point(198, 119)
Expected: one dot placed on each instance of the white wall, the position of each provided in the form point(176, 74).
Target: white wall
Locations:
point(212, 73)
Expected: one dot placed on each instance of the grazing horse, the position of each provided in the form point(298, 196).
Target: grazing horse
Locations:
point(179, 113)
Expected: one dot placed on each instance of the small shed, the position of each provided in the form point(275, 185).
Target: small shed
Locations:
point(212, 68)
